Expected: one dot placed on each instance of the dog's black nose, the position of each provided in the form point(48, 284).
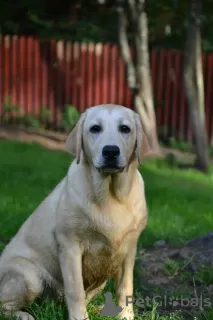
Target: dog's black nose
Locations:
point(110, 152)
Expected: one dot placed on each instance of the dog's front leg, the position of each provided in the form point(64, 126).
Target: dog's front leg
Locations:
point(71, 267)
point(124, 285)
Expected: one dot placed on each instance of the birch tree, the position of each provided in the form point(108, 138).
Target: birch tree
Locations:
point(193, 80)
point(132, 13)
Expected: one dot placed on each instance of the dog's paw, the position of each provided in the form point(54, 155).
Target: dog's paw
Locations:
point(86, 317)
point(126, 314)
point(24, 316)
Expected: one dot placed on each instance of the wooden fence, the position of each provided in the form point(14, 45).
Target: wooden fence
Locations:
point(35, 74)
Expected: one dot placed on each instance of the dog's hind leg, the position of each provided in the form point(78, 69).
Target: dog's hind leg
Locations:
point(16, 291)
point(20, 315)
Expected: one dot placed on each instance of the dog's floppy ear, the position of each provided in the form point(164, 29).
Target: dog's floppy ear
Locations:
point(142, 144)
point(74, 140)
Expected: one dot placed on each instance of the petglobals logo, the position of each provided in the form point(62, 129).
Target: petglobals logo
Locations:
point(170, 301)
point(110, 309)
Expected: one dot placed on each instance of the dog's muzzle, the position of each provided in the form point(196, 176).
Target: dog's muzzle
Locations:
point(110, 154)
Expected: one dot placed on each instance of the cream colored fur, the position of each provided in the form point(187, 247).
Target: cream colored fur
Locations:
point(86, 230)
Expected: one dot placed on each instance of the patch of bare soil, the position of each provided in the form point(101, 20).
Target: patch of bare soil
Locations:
point(178, 279)
point(48, 139)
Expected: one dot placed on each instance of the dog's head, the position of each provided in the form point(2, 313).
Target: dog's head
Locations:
point(109, 136)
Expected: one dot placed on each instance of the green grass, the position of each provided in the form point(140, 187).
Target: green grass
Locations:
point(180, 205)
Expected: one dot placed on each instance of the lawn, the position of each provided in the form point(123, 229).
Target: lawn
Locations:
point(180, 205)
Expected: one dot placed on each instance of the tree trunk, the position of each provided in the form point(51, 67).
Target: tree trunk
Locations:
point(144, 79)
point(138, 71)
point(193, 80)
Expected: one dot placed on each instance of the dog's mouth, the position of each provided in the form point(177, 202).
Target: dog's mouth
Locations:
point(110, 169)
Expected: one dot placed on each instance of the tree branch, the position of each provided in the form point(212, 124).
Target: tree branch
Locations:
point(133, 10)
point(125, 50)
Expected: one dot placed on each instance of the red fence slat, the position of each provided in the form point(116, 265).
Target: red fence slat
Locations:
point(82, 78)
point(167, 92)
point(105, 81)
point(176, 93)
point(1, 74)
point(75, 78)
point(67, 72)
point(97, 87)
point(30, 72)
point(37, 76)
point(121, 76)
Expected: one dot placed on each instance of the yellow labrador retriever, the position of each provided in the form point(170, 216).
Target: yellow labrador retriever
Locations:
point(86, 230)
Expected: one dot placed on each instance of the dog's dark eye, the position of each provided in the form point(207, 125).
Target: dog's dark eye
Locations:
point(124, 129)
point(95, 129)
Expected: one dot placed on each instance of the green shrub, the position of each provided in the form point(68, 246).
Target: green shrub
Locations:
point(30, 121)
point(70, 117)
point(10, 110)
point(45, 115)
